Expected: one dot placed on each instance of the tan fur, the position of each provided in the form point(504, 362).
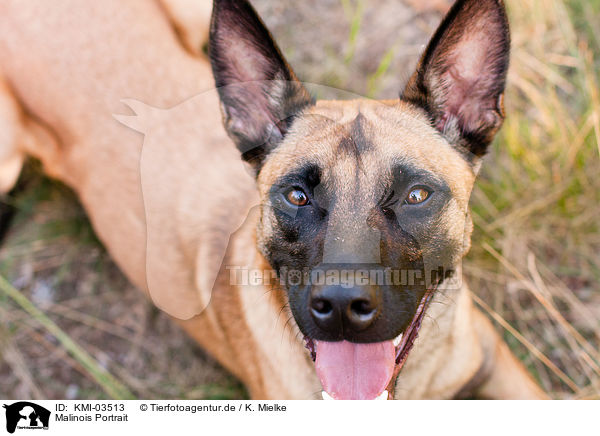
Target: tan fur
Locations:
point(11, 131)
point(190, 19)
point(64, 76)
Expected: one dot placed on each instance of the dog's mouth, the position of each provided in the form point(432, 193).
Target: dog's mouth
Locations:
point(351, 371)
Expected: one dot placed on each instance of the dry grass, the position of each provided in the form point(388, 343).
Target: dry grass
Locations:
point(535, 261)
point(536, 248)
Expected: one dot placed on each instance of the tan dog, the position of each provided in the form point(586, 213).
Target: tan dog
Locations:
point(342, 186)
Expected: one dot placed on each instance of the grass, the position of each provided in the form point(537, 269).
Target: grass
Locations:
point(534, 266)
point(536, 208)
point(109, 384)
point(354, 13)
point(383, 67)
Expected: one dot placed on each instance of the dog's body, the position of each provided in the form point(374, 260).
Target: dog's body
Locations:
point(65, 68)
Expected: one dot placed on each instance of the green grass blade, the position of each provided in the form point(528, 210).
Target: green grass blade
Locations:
point(113, 388)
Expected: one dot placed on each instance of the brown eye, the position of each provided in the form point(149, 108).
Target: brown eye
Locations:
point(297, 197)
point(417, 195)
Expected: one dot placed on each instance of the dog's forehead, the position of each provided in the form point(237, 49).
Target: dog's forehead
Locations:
point(371, 137)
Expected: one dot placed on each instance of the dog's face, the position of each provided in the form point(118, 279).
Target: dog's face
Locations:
point(361, 188)
point(364, 203)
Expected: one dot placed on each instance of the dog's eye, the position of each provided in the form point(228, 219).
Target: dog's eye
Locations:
point(297, 197)
point(417, 195)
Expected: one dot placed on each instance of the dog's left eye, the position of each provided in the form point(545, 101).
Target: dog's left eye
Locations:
point(417, 195)
point(297, 197)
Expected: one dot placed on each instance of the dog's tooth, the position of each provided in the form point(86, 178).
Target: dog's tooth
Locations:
point(384, 396)
point(397, 339)
point(326, 396)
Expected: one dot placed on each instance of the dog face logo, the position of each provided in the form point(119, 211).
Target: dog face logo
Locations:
point(26, 415)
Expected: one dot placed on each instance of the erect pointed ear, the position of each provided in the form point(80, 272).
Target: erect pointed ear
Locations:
point(461, 77)
point(260, 94)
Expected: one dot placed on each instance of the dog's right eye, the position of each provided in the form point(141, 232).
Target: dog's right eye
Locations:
point(417, 195)
point(297, 197)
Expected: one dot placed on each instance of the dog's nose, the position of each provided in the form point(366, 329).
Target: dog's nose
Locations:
point(336, 309)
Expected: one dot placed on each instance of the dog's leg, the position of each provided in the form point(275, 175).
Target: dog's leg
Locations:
point(20, 135)
point(11, 152)
point(191, 20)
point(503, 376)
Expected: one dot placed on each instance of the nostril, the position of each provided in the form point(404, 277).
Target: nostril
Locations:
point(361, 307)
point(321, 306)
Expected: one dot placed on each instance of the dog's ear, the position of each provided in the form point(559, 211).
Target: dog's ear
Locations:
point(260, 94)
point(461, 77)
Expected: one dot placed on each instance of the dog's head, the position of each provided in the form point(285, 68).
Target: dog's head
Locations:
point(364, 203)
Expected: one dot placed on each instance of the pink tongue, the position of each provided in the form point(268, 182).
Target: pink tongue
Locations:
point(351, 371)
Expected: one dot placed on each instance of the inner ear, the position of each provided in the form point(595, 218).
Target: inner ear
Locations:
point(461, 77)
point(260, 94)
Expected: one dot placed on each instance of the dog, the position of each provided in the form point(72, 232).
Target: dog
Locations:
point(332, 189)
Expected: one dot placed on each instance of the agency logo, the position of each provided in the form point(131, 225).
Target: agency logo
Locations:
point(26, 415)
